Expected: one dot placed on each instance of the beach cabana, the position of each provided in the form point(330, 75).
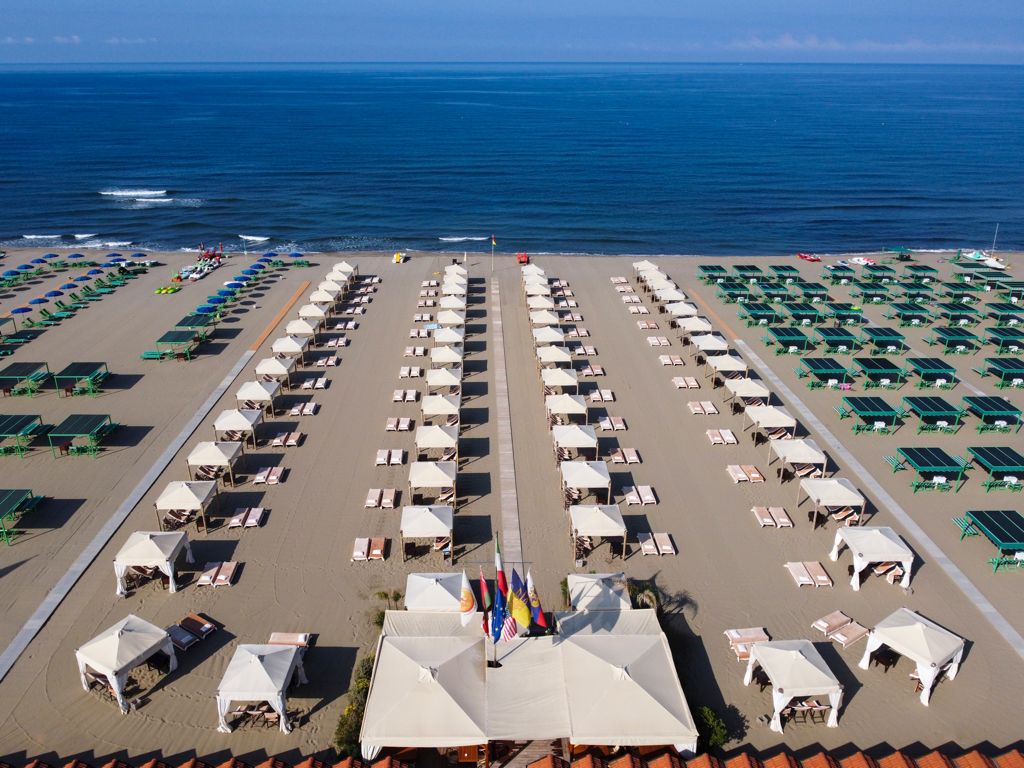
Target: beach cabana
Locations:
point(748, 391)
point(326, 296)
point(446, 355)
point(563, 378)
point(795, 670)
point(554, 356)
point(449, 288)
point(691, 325)
point(803, 455)
point(773, 421)
point(181, 501)
point(238, 424)
point(874, 544)
point(438, 438)
point(936, 651)
point(433, 476)
point(671, 294)
point(597, 520)
point(449, 336)
point(832, 495)
point(875, 414)
point(547, 335)
point(452, 302)
point(529, 269)
point(444, 378)
point(558, 406)
point(258, 395)
point(573, 437)
point(334, 284)
point(276, 369)
point(935, 414)
point(303, 328)
point(728, 366)
point(151, 549)
point(433, 522)
point(598, 592)
point(290, 346)
point(644, 266)
point(445, 407)
point(448, 317)
point(314, 314)
point(433, 592)
point(536, 289)
point(260, 673)
point(581, 476)
point(212, 460)
point(543, 317)
point(118, 650)
point(540, 302)
point(710, 344)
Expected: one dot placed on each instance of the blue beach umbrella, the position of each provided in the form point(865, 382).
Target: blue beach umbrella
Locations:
point(215, 300)
point(38, 300)
point(51, 255)
point(113, 255)
point(264, 259)
point(21, 310)
point(227, 292)
point(139, 255)
point(94, 272)
point(119, 259)
point(205, 309)
point(243, 279)
point(250, 272)
point(81, 279)
point(296, 255)
point(259, 267)
point(271, 254)
point(23, 267)
point(108, 264)
point(77, 256)
point(53, 294)
point(10, 273)
point(234, 284)
point(38, 261)
point(68, 287)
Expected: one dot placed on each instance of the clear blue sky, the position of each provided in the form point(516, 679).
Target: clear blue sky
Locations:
point(918, 31)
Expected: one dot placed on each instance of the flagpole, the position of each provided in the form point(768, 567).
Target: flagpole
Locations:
point(492, 253)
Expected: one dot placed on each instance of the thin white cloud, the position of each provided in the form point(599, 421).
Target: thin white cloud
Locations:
point(129, 40)
point(17, 40)
point(67, 39)
point(788, 42)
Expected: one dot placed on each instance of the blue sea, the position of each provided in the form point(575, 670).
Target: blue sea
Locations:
point(666, 159)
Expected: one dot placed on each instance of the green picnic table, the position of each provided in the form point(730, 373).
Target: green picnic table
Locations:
point(194, 321)
point(880, 372)
point(886, 341)
point(1004, 528)
point(838, 275)
point(731, 291)
point(844, 312)
point(1005, 467)
point(758, 313)
point(908, 314)
point(1007, 340)
point(1005, 312)
point(803, 313)
point(958, 312)
point(23, 378)
point(837, 340)
point(920, 272)
point(814, 291)
point(996, 414)
point(935, 414)
point(789, 340)
point(934, 467)
point(870, 293)
point(1009, 371)
point(81, 378)
point(748, 271)
point(775, 291)
point(13, 503)
point(963, 292)
point(916, 292)
point(178, 343)
point(824, 371)
point(20, 428)
point(953, 340)
point(91, 427)
point(933, 372)
point(711, 273)
point(875, 414)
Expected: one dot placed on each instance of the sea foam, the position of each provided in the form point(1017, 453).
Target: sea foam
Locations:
point(134, 192)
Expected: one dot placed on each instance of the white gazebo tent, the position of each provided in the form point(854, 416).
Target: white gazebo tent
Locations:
point(728, 365)
point(452, 302)
point(443, 406)
point(290, 346)
point(433, 476)
point(935, 650)
point(586, 476)
point(276, 369)
point(803, 455)
point(259, 673)
point(598, 592)
point(118, 650)
point(773, 420)
point(831, 494)
point(449, 288)
point(438, 438)
point(547, 334)
point(537, 289)
point(682, 309)
point(186, 498)
point(555, 356)
point(443, 378)
point(540, 302)
point(747, 390)
point(253, 395)
point(344, 266)
point(557, 406)
point(210, 460)
point(433, 592)
point(796, 670)
point(445, 355)
point(451, 317)
point(669, 294)
point(235, 424)
point(874, 544)
point(455, 278)
point(435, 522)
point(455, 269)
point(710, 343)
point(449, 336)
point(599, 520)
point(690, 325)
point(325, 295)
point(151, 549)
point(315, 313)
point(543, 317)
point(336, 284)
point(531, 269)
point(303, 328)
point(573, 437)
point(644, 266)
point(563, 378)
point(658, 282)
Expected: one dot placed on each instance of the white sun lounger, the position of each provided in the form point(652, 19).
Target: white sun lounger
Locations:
point(410, 395)
point(849, 634)
point(274, 475)
point(309, 409)
point(320, 383)
point(382, 458)
point(373, 497)
point(398, 396)
point(800, 575)
point(403, 373)
point(604, 423)
point(391, 425)
point(306, 384)
point(831, 622)
point(648, 546)
point(387, 500)
point(632, 495)
point(736, 473)
point(715, 437)
point(782, 520)
point(646, 495)
point(395, 456)
point(752, 473)
point(261, 475)
point(763, 516)
point(404, 425)
point(360, 549)
point(278, 440)
point(209, 574)
point(293, 439)
point(247, 517)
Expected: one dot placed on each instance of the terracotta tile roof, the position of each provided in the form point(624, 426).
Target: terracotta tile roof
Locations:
point(195, 762)
point(549, 761)
point(233, 762)
point(895, 760)
point(588, 761)
point(858, 760)
point(781, 760)
point(154, 763)
point(820, 760)
point(973, 759)
point(626, 761)
point(701, 761)
point(934, 760)
point(272, 762)
point(668, 760)
point(1011, 759)
point(311, 762)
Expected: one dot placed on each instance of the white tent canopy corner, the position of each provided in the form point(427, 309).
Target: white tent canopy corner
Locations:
point(598, 592)
point(259, 673)
point(151, 549)
point(873, 544)
point(795, 669)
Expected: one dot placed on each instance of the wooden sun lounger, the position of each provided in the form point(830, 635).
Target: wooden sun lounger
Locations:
point(261, 475)
point(647, 544)
point(818, 573)
point(360, 549)
point(747, 636)
point(710, 409)
point(381, 459)
point(782, 520)
point(736, 473)
point(377, 546)
point(308, 409)
point(715, 437)
point(831, 622)
point(395, 456)
point(665, 544)
point(293, 439)
point(632, 495)
point(646, 495)
point(181, 638)
point(763, 516)
point(274, 475)
point(388, 498)
point(849, 634)
point(800, 575)
point(632, 455)
point(373, 497)
point(752, 473)
point(209, 574)
point(618, 423)
point(226, 574)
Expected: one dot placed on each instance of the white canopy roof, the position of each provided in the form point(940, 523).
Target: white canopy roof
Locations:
point(744, 387)
point(644, 266)
point(441, 405)
point(275, 366)
point(709, 342)
point(432, 474)
point(543, 317)
point(151, 549)
point(449, 336)
point(532, 269)
point(831, 492)
point(334, 284)
point(344, 266)
point(682, 308)
point(436, 436)
point(290, 345)
point(455, 278)
point(585, 474)
point(525, 712)
point(325, 295)
point(873, 544)
point(693, 324)
point(453, 289)
point(934, 649)
point(451, 317)
point(574, 436)
point(668, 294)
point(259, 673)
point(236, 420)
point(540, 302)
point(452, 302)
point(559, 377)
point(427, 522)
point(770, 417)
point(298, 329)
point(186, 495)
point(210, 454)
point(534, 280)
point(258, 391)
point(455, 269)
point(537, 289)
point(796, 669)
point(553, 355)
point(119, 649)
point(728, 363)
point(598, 592)
point(656, 282)
point(603, 520)
point(433, 592)
point(548, 335)
point(446, 353)
point(565, 404)
point(444, 377)
point(315, 312)
point(798, 451)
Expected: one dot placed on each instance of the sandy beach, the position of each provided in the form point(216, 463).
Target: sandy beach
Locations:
point(296, 574)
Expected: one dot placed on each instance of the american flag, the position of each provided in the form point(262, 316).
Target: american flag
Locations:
point(509, 629)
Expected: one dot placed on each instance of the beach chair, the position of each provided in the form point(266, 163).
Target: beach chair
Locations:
point(665, 359)
point(763, 517)
point(403, 373)
point(818, 574)
point(377, 546)
point(410, 395)
point(373, 498)
point(894, 575)
point(679, 382)
point(274, 475)
point(800, 575)
point(695, 408)
point(618, 423)
point(846, 516)
point(715, 437)
point(736, 473)
point(278, 440)
point(752, 474)
point(261, 476)
point(665, 544)
point(209, 574)
point(831, 622)
point(181, 638)
point(307, 384)
point(648, 546)
point(631, 455)
point(398, 396)
point(632, 495)
point(320, 383)
point(747, 636)
point(391, 425)
point(405, 425)
point(595, 396)
point(415, 372)
point(729, 436)
point(309, 409)
point(848, 634)
point(604, 423)
point(782, 519)
point(360, 549)
point(388, 498)
point(381, 459)
point(295, 410)
point(710, 409)
point(646, 495)
point(225, 574)
point(395, 456)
